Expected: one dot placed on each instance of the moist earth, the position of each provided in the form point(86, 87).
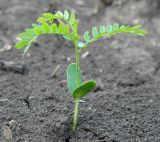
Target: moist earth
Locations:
point(125, 106)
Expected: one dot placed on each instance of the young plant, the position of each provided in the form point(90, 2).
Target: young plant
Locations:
point(68, 27)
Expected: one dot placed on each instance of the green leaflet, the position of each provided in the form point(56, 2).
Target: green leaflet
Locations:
point(25, 36)
point(115, 26)
point(21, 44)
point(102, 29)
point(95, 31)
point(46, 17)
point(81, 44)
point(60, 28)
point(66, 30)
point(109, 28)
point(60, 13)
point(71, 77)
point(54, 28)
point(72, 18)
point(30, 31)
point(84, 89)
point(66, 15)
point(45, 28)
point(86, 36)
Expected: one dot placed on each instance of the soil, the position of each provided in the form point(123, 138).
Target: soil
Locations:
point(124, 107)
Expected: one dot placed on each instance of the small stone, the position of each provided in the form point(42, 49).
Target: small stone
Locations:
point(85, 54)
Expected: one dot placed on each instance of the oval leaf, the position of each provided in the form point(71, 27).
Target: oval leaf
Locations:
point(71, 77)
point(45, 28)
point(21, 44)
point(72, 18)
point(81, 44)
point(86, 36)
point(84, 89)
point(25, 35)
point(109, 28)
point(53, 28)
point(95, 31)
point(66, 15)
point(102, 29)
point(60, 13)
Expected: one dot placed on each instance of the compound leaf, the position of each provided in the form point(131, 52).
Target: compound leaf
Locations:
point(84, 89)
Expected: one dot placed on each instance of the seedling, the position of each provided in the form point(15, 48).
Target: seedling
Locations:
point(67, 26)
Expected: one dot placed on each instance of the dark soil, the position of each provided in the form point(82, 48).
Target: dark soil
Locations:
point(125, 106)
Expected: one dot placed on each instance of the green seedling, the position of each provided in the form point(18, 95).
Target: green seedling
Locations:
point(67, 26)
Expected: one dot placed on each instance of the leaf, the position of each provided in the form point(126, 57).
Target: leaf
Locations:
point(30, 31)
point(122, 27)
point(115, 26)
point(66, 15)
point(45, 28)
point(95, 31)
point(71, 77)
point(86, 36)
point(37, 31)
point(41, 19)
point(53, 28)
point(60, 13)
point(84, 89)
point(66, 29)
point(109, 29)
point(81, 44)
point(48, 15)
point(102, 29)
point(21, 44)
point(25, 35)
point(72, 18)
point(60, 28)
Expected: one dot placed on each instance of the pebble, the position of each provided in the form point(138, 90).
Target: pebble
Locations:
point(85, 54)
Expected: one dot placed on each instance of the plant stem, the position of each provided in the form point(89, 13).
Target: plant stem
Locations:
point(78, 65)
point(75, 114)
point(78, 83)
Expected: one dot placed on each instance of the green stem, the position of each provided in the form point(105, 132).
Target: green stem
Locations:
point(75, 114)
point(78, 65)
point(78, 83)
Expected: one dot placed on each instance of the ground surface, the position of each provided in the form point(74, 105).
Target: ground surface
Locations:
point(125, 106)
